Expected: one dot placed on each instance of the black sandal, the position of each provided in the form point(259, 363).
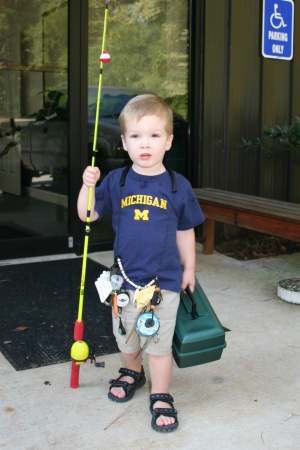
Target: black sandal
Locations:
point(156, 412)
point(129, 388)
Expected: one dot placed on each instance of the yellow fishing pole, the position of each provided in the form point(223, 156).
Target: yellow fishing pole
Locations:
point(79, 350)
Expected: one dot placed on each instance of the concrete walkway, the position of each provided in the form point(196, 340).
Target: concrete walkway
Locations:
point(250, 399)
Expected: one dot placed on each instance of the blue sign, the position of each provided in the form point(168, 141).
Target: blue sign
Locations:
point(278, 29)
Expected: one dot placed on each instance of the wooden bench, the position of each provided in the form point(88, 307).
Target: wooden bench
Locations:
point(274, 217)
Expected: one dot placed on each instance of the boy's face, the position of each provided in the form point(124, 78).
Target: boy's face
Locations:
point(146, 142)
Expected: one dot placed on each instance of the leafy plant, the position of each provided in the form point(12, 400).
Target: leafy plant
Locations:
point(277, 138)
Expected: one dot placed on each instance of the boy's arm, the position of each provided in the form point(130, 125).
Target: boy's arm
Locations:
point(187, 252)
point(90, 178)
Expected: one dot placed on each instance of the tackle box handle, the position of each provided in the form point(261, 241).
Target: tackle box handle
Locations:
point(194, 304)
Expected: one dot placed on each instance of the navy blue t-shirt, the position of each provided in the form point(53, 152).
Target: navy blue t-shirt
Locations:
point(146, 215)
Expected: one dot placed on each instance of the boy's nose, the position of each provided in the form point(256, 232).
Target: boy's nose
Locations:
point(144, 142)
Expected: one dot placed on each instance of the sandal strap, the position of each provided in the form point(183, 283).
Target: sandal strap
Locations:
point(131, 373)
point(161, 398)
point(127, 372)
point(119, 383)
point(128, 388)
point(170, 412)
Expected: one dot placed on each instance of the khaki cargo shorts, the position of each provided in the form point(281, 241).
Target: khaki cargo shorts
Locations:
point(166, 312)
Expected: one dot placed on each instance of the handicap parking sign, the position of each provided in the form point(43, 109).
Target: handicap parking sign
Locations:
point(278, 29)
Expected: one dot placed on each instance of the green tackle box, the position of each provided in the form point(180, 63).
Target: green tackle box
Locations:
point(199, 337)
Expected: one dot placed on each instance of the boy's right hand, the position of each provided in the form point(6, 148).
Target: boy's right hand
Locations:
point(90, 176)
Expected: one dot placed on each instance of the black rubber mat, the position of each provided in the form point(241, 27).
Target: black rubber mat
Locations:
point(39, 306)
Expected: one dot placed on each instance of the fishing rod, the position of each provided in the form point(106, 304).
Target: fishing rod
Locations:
point(79, 349)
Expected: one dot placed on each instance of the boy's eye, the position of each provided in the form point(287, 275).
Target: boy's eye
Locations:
point(155, 135)
point(134, 136)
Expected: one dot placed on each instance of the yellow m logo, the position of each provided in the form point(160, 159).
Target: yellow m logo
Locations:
point(141, 215)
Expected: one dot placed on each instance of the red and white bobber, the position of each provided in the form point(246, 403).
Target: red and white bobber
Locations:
point(105, 57)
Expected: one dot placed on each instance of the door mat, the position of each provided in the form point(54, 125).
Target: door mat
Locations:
point(39, 306)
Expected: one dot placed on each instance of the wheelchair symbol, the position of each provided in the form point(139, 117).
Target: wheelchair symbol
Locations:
point(276, 19)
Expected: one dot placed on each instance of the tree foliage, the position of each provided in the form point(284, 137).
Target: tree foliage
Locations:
point(147, 41)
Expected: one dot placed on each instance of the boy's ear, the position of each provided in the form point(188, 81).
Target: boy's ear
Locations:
point(124, 143)
point(169, 142)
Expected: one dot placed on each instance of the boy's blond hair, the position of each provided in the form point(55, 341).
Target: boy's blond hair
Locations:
point(147, 105)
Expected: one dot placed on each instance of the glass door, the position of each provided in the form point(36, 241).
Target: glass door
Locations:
point(33, 121)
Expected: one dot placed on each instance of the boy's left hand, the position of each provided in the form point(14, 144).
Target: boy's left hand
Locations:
point(188, 280)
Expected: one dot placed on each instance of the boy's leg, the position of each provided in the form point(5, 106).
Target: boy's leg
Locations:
point(129, 316)
point(160, 368)
point(160, 354)
point(130, 363)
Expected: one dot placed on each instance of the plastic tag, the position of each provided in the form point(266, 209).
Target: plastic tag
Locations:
point(103, 286)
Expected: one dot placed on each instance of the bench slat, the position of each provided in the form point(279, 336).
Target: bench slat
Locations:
point(264, 215)
point(266, 206)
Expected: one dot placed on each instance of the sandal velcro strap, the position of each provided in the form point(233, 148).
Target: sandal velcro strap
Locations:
point(170, 412)
point(161, 398)
point(131, 373)
point(118, 383)
point(129, 388)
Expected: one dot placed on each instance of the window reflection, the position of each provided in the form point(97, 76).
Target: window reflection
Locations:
point(33, 116)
